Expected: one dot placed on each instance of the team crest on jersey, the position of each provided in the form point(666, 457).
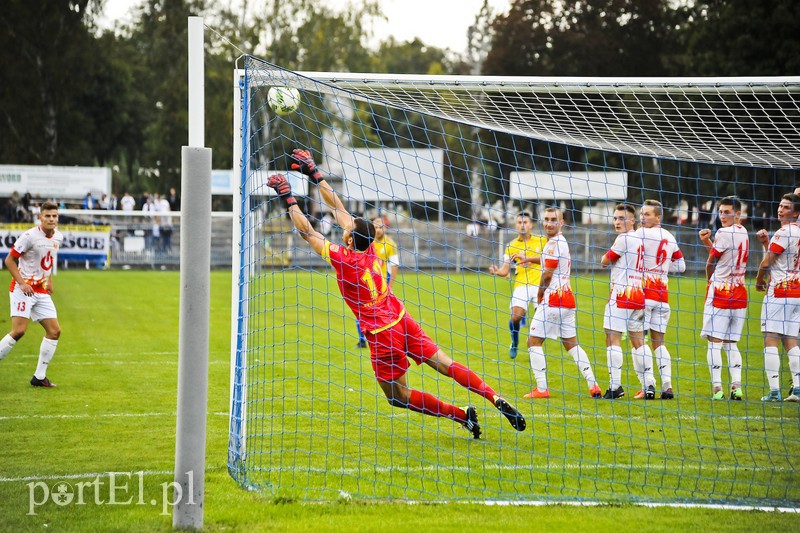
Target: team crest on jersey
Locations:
point(334, 248)
point(47, 261)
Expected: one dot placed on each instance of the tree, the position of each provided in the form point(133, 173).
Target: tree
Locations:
point(57, 100)
point(582, 38)
point(742, 38)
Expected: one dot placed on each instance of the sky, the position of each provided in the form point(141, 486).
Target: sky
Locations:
point(440, 23)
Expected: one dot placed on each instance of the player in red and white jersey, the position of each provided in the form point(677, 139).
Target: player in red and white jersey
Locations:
point(554, 317)
point(780, 312)
point(659, 256)
point(392, 334)
point(624, 311)
point(30, 264)
point(725, 309)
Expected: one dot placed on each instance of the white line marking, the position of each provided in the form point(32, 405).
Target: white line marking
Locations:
point(94, 415)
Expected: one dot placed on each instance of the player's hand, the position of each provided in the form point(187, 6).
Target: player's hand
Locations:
point(761, 285)
point(705, 234)
point(282, 187)
point(763, 237)
point(492, 270)
point(26, 289)
point(305, 164)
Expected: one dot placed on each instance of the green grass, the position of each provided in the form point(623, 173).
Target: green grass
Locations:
point(324, 427)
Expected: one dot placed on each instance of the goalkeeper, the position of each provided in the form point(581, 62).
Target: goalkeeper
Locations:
point(392, 334)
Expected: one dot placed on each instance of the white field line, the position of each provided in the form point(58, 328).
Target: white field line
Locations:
point(94, 415)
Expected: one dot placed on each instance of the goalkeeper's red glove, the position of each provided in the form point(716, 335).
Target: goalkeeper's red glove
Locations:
point(282, 187)
point(305, 164)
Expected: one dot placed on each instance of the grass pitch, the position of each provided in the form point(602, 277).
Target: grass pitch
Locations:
point(114, 411)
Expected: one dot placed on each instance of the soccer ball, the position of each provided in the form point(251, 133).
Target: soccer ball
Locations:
point(283, 100)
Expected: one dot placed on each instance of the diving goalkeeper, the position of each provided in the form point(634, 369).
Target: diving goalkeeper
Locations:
point(393, 335)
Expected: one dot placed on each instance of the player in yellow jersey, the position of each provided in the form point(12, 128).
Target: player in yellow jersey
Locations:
point(386, 249)
point(526, 276)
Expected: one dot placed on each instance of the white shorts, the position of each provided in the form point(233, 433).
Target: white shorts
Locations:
point(622, 320)
point(723, 324)
point(553, 323)
point(656, 315)
point(523, 295)
point(781, 316)
point(36, 307)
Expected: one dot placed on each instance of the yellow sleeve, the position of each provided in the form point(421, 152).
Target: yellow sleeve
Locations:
point(326, 251)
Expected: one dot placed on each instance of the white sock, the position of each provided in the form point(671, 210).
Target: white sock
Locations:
point(46, 352)
point(714, 358)
point(734, 363)
point(6, 344)
point(614, 356)
point(794, 366)
point(637, 355)
point(664, 360)
point(648, 375)
point(772, 366)
point(582, 360)
point(539, 366)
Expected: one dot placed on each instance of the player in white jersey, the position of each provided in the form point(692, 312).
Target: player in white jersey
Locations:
point(625, 308)
point(725, 307)
point(31, 263)
point(659, 256)
point(780, 312)
point(554, 317)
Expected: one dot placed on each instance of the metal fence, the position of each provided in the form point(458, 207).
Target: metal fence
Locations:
point(138, 241)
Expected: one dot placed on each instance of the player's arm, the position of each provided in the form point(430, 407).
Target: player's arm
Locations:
point(609, 258)
point(503, 269)
point(547, 276)
point(763, 237)
point(711, 264)
point(763, 270)
point(522, 259)
point(677, 263)
point(305, 164)
point(705, 238)
point(12, 264)
point(307, 232)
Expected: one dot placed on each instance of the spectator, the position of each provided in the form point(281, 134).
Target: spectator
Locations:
point(164, 224)
point(174, 200)
point(151, 232)
point(9, 210)
point(88, 201)
point(143, 199)
point(127, 203)
point(103, 203)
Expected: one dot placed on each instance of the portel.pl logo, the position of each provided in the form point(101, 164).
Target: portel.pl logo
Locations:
point(111, 488)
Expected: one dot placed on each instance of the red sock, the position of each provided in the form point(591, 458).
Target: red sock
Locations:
point(428, 404)
point(469, 379)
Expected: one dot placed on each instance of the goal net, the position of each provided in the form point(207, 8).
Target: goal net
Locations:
point(448, 164)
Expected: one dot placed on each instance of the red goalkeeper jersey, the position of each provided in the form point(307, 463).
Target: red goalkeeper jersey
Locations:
point(364, 287)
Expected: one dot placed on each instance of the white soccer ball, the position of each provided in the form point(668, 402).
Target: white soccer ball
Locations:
point(283, 100)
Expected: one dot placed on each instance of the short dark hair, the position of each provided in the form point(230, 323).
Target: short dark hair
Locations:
point(625, 207)
point(657, 205)
point(363, 233)
point(524, 214)
point(49, 206)
point(795, 199)
point(733, 202)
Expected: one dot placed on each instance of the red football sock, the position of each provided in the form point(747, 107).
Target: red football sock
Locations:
point(428, 404)
point(469, 379)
